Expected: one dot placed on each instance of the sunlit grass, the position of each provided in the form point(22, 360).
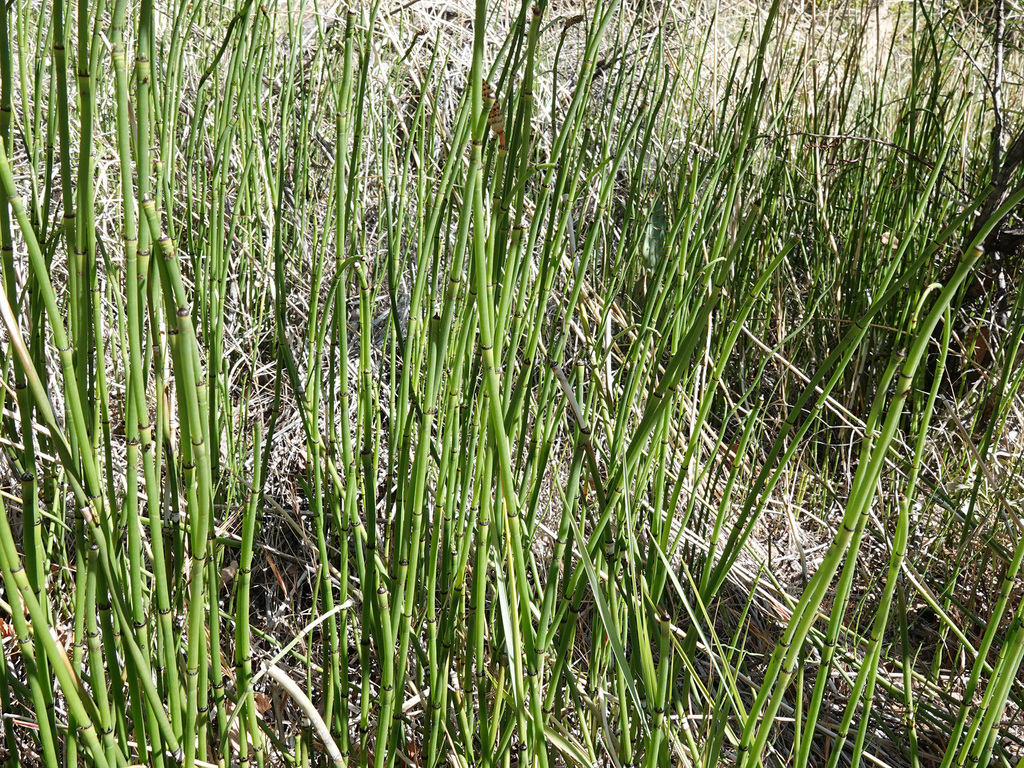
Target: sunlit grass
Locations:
point(533, 386)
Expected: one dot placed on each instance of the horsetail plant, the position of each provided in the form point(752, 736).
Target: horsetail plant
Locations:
point(425, 397)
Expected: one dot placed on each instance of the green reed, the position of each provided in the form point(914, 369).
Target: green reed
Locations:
point(490, 339)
